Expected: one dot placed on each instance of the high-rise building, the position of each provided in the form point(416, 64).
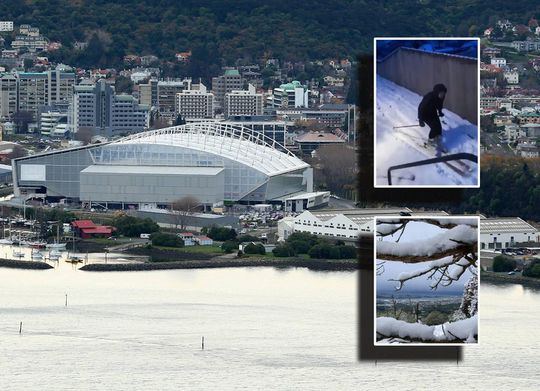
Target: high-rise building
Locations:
point(98, 107)
point(8, 96)
point(37, 89)
point(230, 81)
point(243, 103)
point(195, 104)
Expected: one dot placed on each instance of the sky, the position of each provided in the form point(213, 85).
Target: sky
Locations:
point(413, 232)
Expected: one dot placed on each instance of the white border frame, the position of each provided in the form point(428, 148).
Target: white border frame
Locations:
point(438, 217)
point(375, 185)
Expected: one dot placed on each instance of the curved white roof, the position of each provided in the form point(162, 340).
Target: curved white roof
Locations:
point(234, 142)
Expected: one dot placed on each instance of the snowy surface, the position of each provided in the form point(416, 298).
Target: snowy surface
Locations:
point(398, 106)
point(465, 330)
point(435, 244)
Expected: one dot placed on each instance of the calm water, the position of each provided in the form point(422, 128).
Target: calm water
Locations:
point(263, 328)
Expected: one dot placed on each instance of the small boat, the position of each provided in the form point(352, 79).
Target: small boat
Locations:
point(74, 260)
point(56, 245)
point(54, 257)
point(18, 254)
point(37, 244)
point(6, 241)
point(37, 255)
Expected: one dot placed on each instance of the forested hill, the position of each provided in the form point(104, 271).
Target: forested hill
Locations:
point(228, 30)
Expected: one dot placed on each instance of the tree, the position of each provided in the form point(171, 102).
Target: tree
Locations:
point(442, 258)
point(252, 248)
point(283, 250)
point(183, 209)
point(229, 246)
point(123, 84)
point(222, 234)
point(166, 240)
point(21, 119)
point(336, 167)
point(84, 134)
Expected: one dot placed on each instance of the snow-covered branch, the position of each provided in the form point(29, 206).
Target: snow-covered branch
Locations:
point(465, 330)
point(459, 240)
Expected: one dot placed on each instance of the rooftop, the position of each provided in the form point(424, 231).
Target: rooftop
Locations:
point(505, 225)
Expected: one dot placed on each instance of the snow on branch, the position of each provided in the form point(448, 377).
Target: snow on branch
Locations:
point(465, 330)
point(459, 240)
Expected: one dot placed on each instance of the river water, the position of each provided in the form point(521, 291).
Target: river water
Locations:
point(264, 328)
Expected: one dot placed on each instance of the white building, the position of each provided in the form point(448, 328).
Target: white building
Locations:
point(6, 25)
point(498, 233)
point(511, 77)
point(290, 95)
point(243, 103)
point(345, 224)
point(195, 103)
point(498, 61)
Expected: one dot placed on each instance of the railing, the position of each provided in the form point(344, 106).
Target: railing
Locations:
point(442, 159)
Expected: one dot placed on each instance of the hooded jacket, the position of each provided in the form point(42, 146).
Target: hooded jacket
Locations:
point(431, 105)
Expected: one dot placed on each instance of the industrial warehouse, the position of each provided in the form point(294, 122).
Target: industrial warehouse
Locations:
point(212, 162)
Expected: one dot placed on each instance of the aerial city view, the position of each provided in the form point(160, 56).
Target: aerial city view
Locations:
point(180, 203)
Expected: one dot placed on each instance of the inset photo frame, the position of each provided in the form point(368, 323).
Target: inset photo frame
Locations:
point(426, 280)
point(427, 112)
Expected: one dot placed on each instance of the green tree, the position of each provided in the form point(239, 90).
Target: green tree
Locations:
point(503, 263)
point(166, 240)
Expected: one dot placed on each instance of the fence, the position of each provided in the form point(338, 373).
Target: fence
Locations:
point(419, 71)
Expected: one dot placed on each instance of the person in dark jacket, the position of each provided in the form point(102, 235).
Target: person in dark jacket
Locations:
point(430, 109)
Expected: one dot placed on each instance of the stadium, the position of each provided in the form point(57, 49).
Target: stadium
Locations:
point(213, 162)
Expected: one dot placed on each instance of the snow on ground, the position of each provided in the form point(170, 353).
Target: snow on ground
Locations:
point(398, 106)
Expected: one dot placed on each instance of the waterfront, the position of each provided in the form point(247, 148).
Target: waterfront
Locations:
point(264, 328)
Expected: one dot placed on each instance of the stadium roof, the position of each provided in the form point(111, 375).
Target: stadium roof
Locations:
point(234, 142)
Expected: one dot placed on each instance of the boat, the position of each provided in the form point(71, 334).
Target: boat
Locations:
point(56, 245)
point(74, 260)
point(37, 255)
point(37, 244)
point(6, 241)
point(18, 254)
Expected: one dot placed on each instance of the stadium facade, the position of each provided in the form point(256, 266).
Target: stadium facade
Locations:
point(213, 162)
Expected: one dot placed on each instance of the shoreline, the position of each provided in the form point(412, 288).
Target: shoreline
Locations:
point(503, 278)
point(312, 264)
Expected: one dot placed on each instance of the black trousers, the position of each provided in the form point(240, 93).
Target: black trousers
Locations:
point(435, 127)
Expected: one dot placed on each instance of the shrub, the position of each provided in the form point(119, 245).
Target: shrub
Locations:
point(503, 263)
point(221, 234)
point(255, 249)
point(347, 252)
point(300, 246)
point(229, 246)
point(320, 251)
point(283, 250)
point(533, 270)
point(165, 239)
point(312, 240)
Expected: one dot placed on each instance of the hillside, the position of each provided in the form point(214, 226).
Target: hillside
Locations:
point(220, 32)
